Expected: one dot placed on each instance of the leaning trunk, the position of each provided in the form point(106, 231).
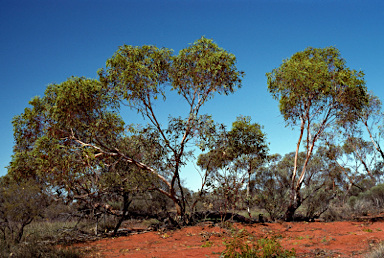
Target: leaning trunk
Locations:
point(126, 203)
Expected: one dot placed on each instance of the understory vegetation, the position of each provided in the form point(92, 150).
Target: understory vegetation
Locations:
point(245, 245)
point(80, 171)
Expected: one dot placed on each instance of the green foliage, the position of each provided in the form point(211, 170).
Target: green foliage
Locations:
point(244, 146)
point(46, 147)
point(337, 211)
point(207, 244)
point(152, 202)
point(352, 201)
point(20, 204)
point(375, 194)
point(270, 185)
point(140, 75)
point(370, 201)
point(320, 78)
point(318, 201)
point(244, 245)
point(74, 140)
point(363, 207)
point(232, 159)
point(207, 68)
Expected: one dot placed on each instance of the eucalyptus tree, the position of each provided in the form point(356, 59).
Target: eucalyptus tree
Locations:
point(363, 152)
point(354, 158)
point(71, 134)
point(372, 120)
point(368, 152)
point(140, 76)
point(44, 146)
point(271, 184)
point(316, 90)
point(46, 150)
point(234, 157)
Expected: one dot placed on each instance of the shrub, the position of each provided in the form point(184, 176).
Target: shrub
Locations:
point(150, 202)
point(34, 249)
point(317, 201)
point(58, 210)
point(337, 212)
point(244, 245)
point(150, 222)
point(352, 201)
point(378, 252)
point(370, 201)
point(47, 230)
point(363, 207)
point(107, 223)
point(20, 204)
point(376, 195)
point(274, 202)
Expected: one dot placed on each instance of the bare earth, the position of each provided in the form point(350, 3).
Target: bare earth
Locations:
point(316, 239)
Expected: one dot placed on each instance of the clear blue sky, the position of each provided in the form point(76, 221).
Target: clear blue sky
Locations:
point(43, 42)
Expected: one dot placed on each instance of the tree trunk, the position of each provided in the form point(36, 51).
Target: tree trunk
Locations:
point(377, 146)
point(126, 204)
point(294, 204)
point(249, 193)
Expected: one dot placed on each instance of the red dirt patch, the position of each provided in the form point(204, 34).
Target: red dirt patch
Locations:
point(317, 239)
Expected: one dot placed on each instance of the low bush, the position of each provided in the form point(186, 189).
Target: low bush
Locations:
point(363, 207)
point(40, 239)
point(317, 201)
point(337, 213)
point(375, 194)
point(35, 249)
point(20, 204)
point(245, 245)
point(107, 223)
point(150, 222)
point(151, 202)
point(378, 252)
point(371, 201)
point(352, 201)
point(48, 230)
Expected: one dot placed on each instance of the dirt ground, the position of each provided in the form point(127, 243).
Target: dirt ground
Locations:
point(315, 239)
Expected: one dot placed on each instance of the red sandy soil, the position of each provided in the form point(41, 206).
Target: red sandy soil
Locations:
point(315, 239)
